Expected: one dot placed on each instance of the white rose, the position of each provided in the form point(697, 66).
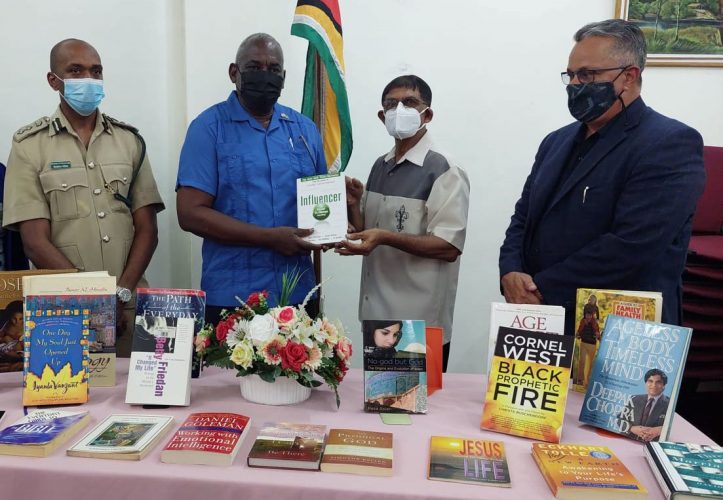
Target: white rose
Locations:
point(261, 328)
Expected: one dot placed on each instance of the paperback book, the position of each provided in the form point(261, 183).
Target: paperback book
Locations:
point(636, 378)
point(288, 446)
point(472, 461)
point(395, 369)
point(40, 432)
point(527, 386)
point(592, 307)
point(207, 439)
point(161, 354)
point(122, 437)
point(321, 206)
point(55, 369)
point(535, 318)
point(11, 317)
point(585, 472)
point(358, 452)
point(92, 291)
point(687, 470)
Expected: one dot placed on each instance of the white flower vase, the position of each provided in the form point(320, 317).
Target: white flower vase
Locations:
point(283, 391)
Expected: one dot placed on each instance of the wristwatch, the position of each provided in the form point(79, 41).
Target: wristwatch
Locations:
point(124, 295)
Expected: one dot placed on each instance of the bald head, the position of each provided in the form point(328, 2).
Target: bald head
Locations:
point(64, 51)
point(258, 41)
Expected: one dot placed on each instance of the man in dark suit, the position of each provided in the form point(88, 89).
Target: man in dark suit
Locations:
point(648, 410)
point(610, 198)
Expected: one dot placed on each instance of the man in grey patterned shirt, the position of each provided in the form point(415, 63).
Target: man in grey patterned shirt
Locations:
point(410, 220)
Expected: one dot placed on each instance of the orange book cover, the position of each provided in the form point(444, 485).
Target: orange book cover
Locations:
point(585, 471)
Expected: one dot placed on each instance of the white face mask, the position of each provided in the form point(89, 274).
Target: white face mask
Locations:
point(403, 122)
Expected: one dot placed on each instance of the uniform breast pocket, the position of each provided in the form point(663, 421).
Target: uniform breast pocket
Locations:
point(301, 161)
point(67, 193)
point(117, 178)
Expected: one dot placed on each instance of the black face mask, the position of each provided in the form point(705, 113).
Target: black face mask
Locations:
point(588, 101)
point(260, 90)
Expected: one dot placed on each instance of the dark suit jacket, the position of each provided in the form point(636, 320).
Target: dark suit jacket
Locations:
point(621, 220)
point(657, 414)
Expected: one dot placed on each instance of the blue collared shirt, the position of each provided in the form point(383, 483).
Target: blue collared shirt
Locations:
point(251, 172)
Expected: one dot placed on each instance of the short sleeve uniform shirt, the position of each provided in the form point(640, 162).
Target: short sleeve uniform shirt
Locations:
point(251, 172)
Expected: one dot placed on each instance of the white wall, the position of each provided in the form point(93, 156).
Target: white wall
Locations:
point(493, 68)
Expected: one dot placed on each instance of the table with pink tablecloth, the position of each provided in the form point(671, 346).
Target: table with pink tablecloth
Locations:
point(453, 411)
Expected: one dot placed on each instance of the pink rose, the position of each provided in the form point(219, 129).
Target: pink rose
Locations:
point(286, 315)
point(293, 356)
point(343, 349)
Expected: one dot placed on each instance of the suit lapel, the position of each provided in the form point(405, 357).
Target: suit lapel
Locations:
point(547, 178)
point(608, 141)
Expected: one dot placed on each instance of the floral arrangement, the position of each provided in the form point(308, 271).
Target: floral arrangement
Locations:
point(282, 341)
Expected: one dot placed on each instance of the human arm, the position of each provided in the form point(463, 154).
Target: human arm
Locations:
point(427, 246)
point(35, 234)
point(517, 286)
point(196, 214)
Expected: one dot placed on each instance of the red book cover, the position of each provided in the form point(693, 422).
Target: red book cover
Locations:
point(207, 438)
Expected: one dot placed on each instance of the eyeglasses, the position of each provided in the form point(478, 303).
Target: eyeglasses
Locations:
point(407, 102)
point(587, 75)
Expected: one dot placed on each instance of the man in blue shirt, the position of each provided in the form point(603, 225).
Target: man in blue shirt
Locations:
point(236, 184)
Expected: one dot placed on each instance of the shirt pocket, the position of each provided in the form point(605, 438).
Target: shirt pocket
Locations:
point(117, 178)
point(300, 158)
point(67, 193)
point(233, 179)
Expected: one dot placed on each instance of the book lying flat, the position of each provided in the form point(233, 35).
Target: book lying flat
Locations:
point(687, 470)
point(474, 461)
point(358, 452)
point(122, 437)
point(585, 472)
point(207, 439)
point(40, 432)
point(288, 446)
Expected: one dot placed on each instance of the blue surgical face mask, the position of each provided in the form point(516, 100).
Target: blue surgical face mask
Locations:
point(83, 94)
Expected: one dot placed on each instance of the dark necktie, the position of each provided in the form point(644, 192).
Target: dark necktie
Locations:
point(646, 411)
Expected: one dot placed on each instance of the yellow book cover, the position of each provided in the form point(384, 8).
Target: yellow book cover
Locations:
point(578, 471)
point(462, 460)
point(592, 307)
point(528, 383)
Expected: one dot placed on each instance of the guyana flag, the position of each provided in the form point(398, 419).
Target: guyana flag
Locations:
point(325, 100)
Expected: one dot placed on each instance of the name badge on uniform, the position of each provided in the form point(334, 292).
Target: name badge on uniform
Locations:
point(57, 165)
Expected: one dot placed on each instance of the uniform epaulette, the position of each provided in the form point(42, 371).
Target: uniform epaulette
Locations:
point(119, 123)
point(31, 129)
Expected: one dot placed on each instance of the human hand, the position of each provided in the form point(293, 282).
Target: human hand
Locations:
point(362, 243)
point(354, 190)
point(520, 289)
point(289, 241)
point(651, 433)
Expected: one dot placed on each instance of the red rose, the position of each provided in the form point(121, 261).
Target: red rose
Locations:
point(253, 299)
point(293, 356)
point(222, 329)
point(341, 371)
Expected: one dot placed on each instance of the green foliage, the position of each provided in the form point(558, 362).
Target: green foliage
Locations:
point(289, 281)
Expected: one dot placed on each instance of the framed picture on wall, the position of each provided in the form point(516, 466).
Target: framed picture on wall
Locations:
point(678, 32)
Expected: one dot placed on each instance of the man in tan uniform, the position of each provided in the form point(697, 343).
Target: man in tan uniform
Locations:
point(79, 187)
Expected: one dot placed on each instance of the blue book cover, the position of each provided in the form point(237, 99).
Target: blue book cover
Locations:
point(40, 427)
point(395, 369)
point(636, 378)
point(55, 370)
